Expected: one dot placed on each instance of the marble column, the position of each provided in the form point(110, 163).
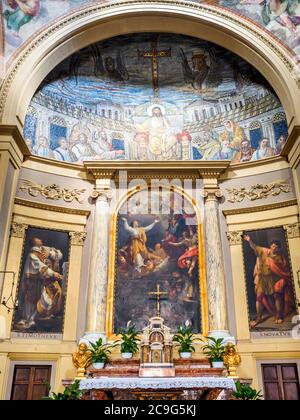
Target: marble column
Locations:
point(98, 275)
point(216, 289)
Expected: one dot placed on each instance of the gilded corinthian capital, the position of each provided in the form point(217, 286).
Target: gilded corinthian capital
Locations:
point(18, 230)
point(235, 238)
point(78, 238)
point(293, 230)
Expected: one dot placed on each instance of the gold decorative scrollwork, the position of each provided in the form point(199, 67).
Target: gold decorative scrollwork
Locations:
point(258, 191)
point(52, 192)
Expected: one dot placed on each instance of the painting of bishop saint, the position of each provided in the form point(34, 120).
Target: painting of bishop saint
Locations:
point(43, 282)
point(157, 249)
point(269, 280)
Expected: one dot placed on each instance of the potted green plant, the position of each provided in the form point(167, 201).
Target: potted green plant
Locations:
point(129, 341)
point(184, 338)
point(71, 392)
point(246, 392)
point(215, 350)
point(100, 353)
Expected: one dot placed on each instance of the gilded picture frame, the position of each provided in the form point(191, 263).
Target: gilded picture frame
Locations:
point(111, 292)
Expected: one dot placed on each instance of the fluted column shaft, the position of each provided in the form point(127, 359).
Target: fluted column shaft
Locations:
point(216, 291)
point(98, 274)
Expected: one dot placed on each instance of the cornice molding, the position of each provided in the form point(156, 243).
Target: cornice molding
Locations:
point(49, 207)
point(144, 169)
point(291, 142)
point(266, 207)
point(14, 132)
point(257, 163)
point(215, 11)
point(55, 163)
point(167, 169)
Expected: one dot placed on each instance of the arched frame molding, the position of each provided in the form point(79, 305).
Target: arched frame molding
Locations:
point(112, 258)
point(96, 23)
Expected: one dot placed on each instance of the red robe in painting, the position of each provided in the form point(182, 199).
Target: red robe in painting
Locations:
point(188, 255)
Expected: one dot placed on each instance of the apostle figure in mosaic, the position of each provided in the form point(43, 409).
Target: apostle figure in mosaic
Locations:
point(233, 133)
point(42, 148)
point(82, 149)
point(264, 150)
point(103, 148)
point(226, 152)
point(63, 153)
point(245, 154)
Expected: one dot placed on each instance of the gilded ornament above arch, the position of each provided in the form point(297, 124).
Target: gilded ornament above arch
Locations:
point(52, 192)
point(214, 10)
point(258, 191)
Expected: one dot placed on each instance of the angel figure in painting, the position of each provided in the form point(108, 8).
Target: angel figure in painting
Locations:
point(138, 252)
point(285, 13)
point(189, 258)
point(21, 13)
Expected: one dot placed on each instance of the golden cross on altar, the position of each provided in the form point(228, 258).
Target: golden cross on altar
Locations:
point(155, 54)
point(158, 294)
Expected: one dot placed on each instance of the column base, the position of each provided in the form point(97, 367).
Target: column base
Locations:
point(225, 334)
point(92, 337)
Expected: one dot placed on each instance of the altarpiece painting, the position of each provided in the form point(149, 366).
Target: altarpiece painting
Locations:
point(42, 282)
point(269, 280)
point(161, 246)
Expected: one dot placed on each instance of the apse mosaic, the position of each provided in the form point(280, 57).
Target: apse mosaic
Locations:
point(21, 19)
point(158, 247)
point(155, 97)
